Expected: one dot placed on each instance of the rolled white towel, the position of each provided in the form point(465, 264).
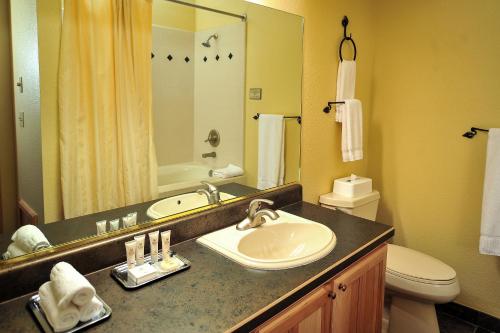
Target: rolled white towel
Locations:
point(70, 286)
point(228, 172)
point(13, 251)
point(60, 318)
point(90, 310)
point(29, 239)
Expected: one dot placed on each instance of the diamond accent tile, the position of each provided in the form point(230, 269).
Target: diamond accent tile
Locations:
point(170, 57)
point(205, 59)
point(217, 58)
point(152, 55)
point(230, 56)
point(186, 59)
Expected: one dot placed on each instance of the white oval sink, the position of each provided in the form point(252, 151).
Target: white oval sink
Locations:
point(180, 203)
point(288, 242)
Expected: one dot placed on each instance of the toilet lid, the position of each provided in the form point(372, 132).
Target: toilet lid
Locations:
point(409, 263)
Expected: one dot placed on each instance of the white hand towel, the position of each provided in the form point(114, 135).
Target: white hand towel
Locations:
point(70, 286)
point(489, 242)
point(228, 172)
point(346, 85)
point(60, 318)
point(29, 238)
point(352, 131)
point(90, 310)
point(13, 251)
point(271, 166)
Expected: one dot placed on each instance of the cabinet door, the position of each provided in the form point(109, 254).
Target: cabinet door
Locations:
point(310, 314)
point(358, 293)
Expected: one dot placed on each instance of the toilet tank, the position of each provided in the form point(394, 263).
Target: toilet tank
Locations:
point(365, 205)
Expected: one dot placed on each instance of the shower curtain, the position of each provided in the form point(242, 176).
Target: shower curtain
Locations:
point(106, 141)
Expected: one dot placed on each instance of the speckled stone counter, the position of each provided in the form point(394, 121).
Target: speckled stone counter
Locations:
point(216, 294)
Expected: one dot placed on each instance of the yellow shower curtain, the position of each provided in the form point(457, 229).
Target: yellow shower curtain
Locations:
point(106, 140)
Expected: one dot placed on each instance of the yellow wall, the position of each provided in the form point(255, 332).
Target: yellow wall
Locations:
point(321, 160)
point(8, 179)
point(49, 31)
point(437, 71)
point(436, 74)
point(173, 15)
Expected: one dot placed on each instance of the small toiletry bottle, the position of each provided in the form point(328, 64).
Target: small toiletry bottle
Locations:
point(132, 218)
point(130, 248)
point(139, 252)
point(153, 245)
point(165, 245)
point(114, 225)
point(101, 227)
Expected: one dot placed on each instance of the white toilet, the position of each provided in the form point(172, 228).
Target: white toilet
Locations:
point(414, 281)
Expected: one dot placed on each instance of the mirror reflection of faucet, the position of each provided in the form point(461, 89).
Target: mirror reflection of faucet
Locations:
point(212, 154)
point(212, 193)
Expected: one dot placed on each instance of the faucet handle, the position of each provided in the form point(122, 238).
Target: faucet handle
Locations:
point(211, 187)
point(256, 204)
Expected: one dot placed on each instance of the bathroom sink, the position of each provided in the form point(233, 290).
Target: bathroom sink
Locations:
point(287, 242)
point(180, 203)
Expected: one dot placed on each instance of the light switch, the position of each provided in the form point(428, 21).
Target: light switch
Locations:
point(255, 93)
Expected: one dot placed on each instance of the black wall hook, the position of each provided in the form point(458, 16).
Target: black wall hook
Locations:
point(345, 22)
point(328, 108)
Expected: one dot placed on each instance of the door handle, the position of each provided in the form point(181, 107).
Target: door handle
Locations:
point(332, 295)
point(342, 287)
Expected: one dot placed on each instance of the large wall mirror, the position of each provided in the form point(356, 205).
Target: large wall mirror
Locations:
point(116, 113)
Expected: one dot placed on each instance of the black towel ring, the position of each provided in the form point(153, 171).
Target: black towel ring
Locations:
point(345, 22)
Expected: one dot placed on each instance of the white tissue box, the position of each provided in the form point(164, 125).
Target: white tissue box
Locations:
point(142, 273)
point(352, 186)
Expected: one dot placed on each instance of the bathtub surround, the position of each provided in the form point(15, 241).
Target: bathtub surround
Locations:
point(106, 136)
point(219, 94)
point(197, 89)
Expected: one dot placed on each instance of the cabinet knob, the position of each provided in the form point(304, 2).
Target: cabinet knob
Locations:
point(332, 295)
point(342, 287)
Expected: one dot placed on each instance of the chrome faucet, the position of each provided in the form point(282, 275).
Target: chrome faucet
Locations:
point(256, 215)
point(212, 193)
point(212, 154)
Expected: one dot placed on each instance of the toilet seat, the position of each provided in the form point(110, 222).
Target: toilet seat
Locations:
point(417, 274)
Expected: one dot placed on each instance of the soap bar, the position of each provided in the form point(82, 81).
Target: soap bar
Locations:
point(169, 265)
point(142, 273)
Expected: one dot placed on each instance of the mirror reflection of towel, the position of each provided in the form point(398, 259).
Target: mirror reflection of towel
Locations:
point(271, 167)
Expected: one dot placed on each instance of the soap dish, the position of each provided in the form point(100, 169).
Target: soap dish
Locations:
point(36, 309)
point(120, 272)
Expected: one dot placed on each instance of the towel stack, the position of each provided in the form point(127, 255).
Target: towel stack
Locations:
point(350, 114)
point(228, 172)
point(68, 298)
point(25, 240)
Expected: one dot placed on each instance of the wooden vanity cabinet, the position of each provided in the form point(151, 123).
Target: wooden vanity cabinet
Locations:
point(353, 301)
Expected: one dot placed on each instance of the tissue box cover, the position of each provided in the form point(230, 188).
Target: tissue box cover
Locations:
point(352, 186)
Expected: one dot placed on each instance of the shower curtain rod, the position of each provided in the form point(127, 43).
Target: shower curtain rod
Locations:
point(242, 17)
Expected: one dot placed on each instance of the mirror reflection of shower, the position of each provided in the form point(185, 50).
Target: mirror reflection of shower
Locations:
point(207, 43)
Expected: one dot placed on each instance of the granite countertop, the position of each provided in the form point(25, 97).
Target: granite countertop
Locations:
point(217, 294)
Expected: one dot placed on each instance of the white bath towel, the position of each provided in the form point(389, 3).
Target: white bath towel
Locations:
point(489, 242)
point(346, 85)
point(90, 310)
point(352, 131)
point(271, 165)
point(29, 238)
point(70, 286)
point(13, 251)
point(228, 172)
point(61, 318)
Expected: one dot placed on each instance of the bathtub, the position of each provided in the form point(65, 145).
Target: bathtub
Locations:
point(177, 178)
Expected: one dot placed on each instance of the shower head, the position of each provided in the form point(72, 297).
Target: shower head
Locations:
point(207, 43)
